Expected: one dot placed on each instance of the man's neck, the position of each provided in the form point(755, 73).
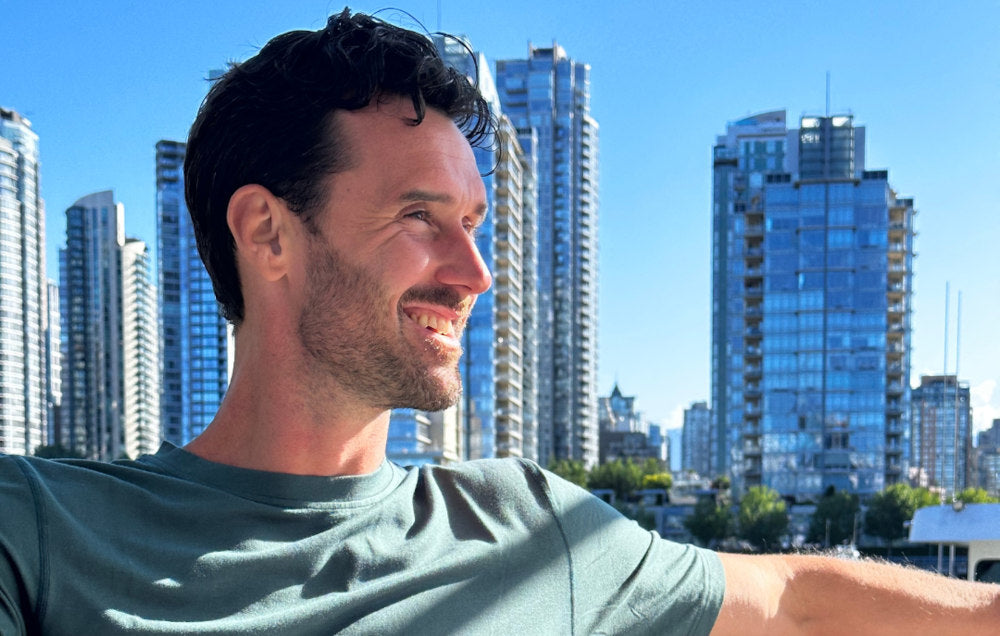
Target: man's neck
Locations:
point(274, 419)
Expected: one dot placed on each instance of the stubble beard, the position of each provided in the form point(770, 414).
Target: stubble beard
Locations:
point(349, 338)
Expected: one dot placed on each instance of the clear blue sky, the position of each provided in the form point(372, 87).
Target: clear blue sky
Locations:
point(102, 81)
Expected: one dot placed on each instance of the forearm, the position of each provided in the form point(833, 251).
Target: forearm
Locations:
point(816, 595)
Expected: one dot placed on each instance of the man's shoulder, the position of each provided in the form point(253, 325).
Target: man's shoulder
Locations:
point(512, 484)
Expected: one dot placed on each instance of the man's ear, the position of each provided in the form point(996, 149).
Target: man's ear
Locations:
point(259, 222)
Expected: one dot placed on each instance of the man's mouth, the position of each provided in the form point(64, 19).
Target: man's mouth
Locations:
point(434, 323)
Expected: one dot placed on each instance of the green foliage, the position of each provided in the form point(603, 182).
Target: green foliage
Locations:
point(975, 495)
point(889, 510)
point(623, 477)
point(839, 510)
point(571, 470)
point(658, 480)
point(57, 451)
point(763, 517)
point(721, 483)
point(711, 521)
point(923, 498)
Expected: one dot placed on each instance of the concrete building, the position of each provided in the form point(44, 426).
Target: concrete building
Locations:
point(194, 336)
point(547, 98)
point(24, 374)
point(811, 304)
point(499, 366)
point(625, 433)
point(141, 352)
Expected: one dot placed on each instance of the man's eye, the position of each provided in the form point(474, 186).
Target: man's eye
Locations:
point(419, 215)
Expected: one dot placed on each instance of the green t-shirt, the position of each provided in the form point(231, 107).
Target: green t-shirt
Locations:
point(174, 544)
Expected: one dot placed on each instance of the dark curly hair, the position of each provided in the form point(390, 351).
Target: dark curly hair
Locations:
point(267, 121)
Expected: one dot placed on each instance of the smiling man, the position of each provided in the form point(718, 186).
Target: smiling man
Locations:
point(335, 200)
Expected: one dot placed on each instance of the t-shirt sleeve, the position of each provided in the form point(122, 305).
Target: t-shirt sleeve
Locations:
point(629, 580)
point(19, 552)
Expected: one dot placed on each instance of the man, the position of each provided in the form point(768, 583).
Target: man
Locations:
point(335, 200)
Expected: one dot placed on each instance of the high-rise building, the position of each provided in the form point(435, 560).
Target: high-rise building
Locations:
point(988, 459)
point(23, 292)
point(417, 437)
point(696, 440)
point(499, 365)
point(53, 357)
point(195, 344)
point(547, 98)
point(812, 268)
point(141, 352)
point(91, 302)
point(941, 434)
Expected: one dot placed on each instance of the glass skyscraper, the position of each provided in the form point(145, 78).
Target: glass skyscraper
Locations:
point(547, 98)
point(24, 371)
point(812, 273)
point(941, 441)
point(91, 301)
point(194, 336)
point(499, 401)
point(696, 440)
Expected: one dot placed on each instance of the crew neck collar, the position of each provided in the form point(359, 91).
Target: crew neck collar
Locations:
point(278, 488)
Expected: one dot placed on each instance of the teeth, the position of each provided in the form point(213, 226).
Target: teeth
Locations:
point(440, 325)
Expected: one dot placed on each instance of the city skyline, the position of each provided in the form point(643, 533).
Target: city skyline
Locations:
point(128, 77)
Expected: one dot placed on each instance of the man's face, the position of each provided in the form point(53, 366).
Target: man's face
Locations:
point(393, 269)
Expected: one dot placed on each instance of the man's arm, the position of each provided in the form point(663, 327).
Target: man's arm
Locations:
point(819, 595)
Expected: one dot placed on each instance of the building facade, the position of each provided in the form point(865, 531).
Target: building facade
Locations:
point(941, 434)
point(24, 385)
point(499, 366)
point(812, 279)
point(141, 352)
point(91, 302)
point(194, 335)
point(988, 459)
point(547, 98)
point(696, 440)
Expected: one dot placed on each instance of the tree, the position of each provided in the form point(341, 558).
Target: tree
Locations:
point(571, 470)
point(658, 480)
point(622, 476)
point(711, 522)
point(57, 451)
point(833, 521)
point(889, 510)
point(975, 495)
point(721, 483)
point(763, 517)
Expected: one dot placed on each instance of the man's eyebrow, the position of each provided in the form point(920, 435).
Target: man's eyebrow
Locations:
point(438, 197)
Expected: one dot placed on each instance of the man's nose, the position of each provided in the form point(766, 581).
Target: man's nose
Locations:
point(462, 264)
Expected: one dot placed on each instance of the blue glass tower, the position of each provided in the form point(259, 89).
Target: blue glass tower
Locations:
point(547, 98)
point(812, 273)
point(194, 341)
point(90, 275)
point(941, 439)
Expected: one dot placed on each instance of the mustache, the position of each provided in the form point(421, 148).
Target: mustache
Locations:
point(444, 296)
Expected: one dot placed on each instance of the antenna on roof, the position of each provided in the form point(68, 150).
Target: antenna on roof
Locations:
point(828, 93)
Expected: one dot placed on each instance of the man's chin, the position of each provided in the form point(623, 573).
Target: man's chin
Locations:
point(437, 398)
